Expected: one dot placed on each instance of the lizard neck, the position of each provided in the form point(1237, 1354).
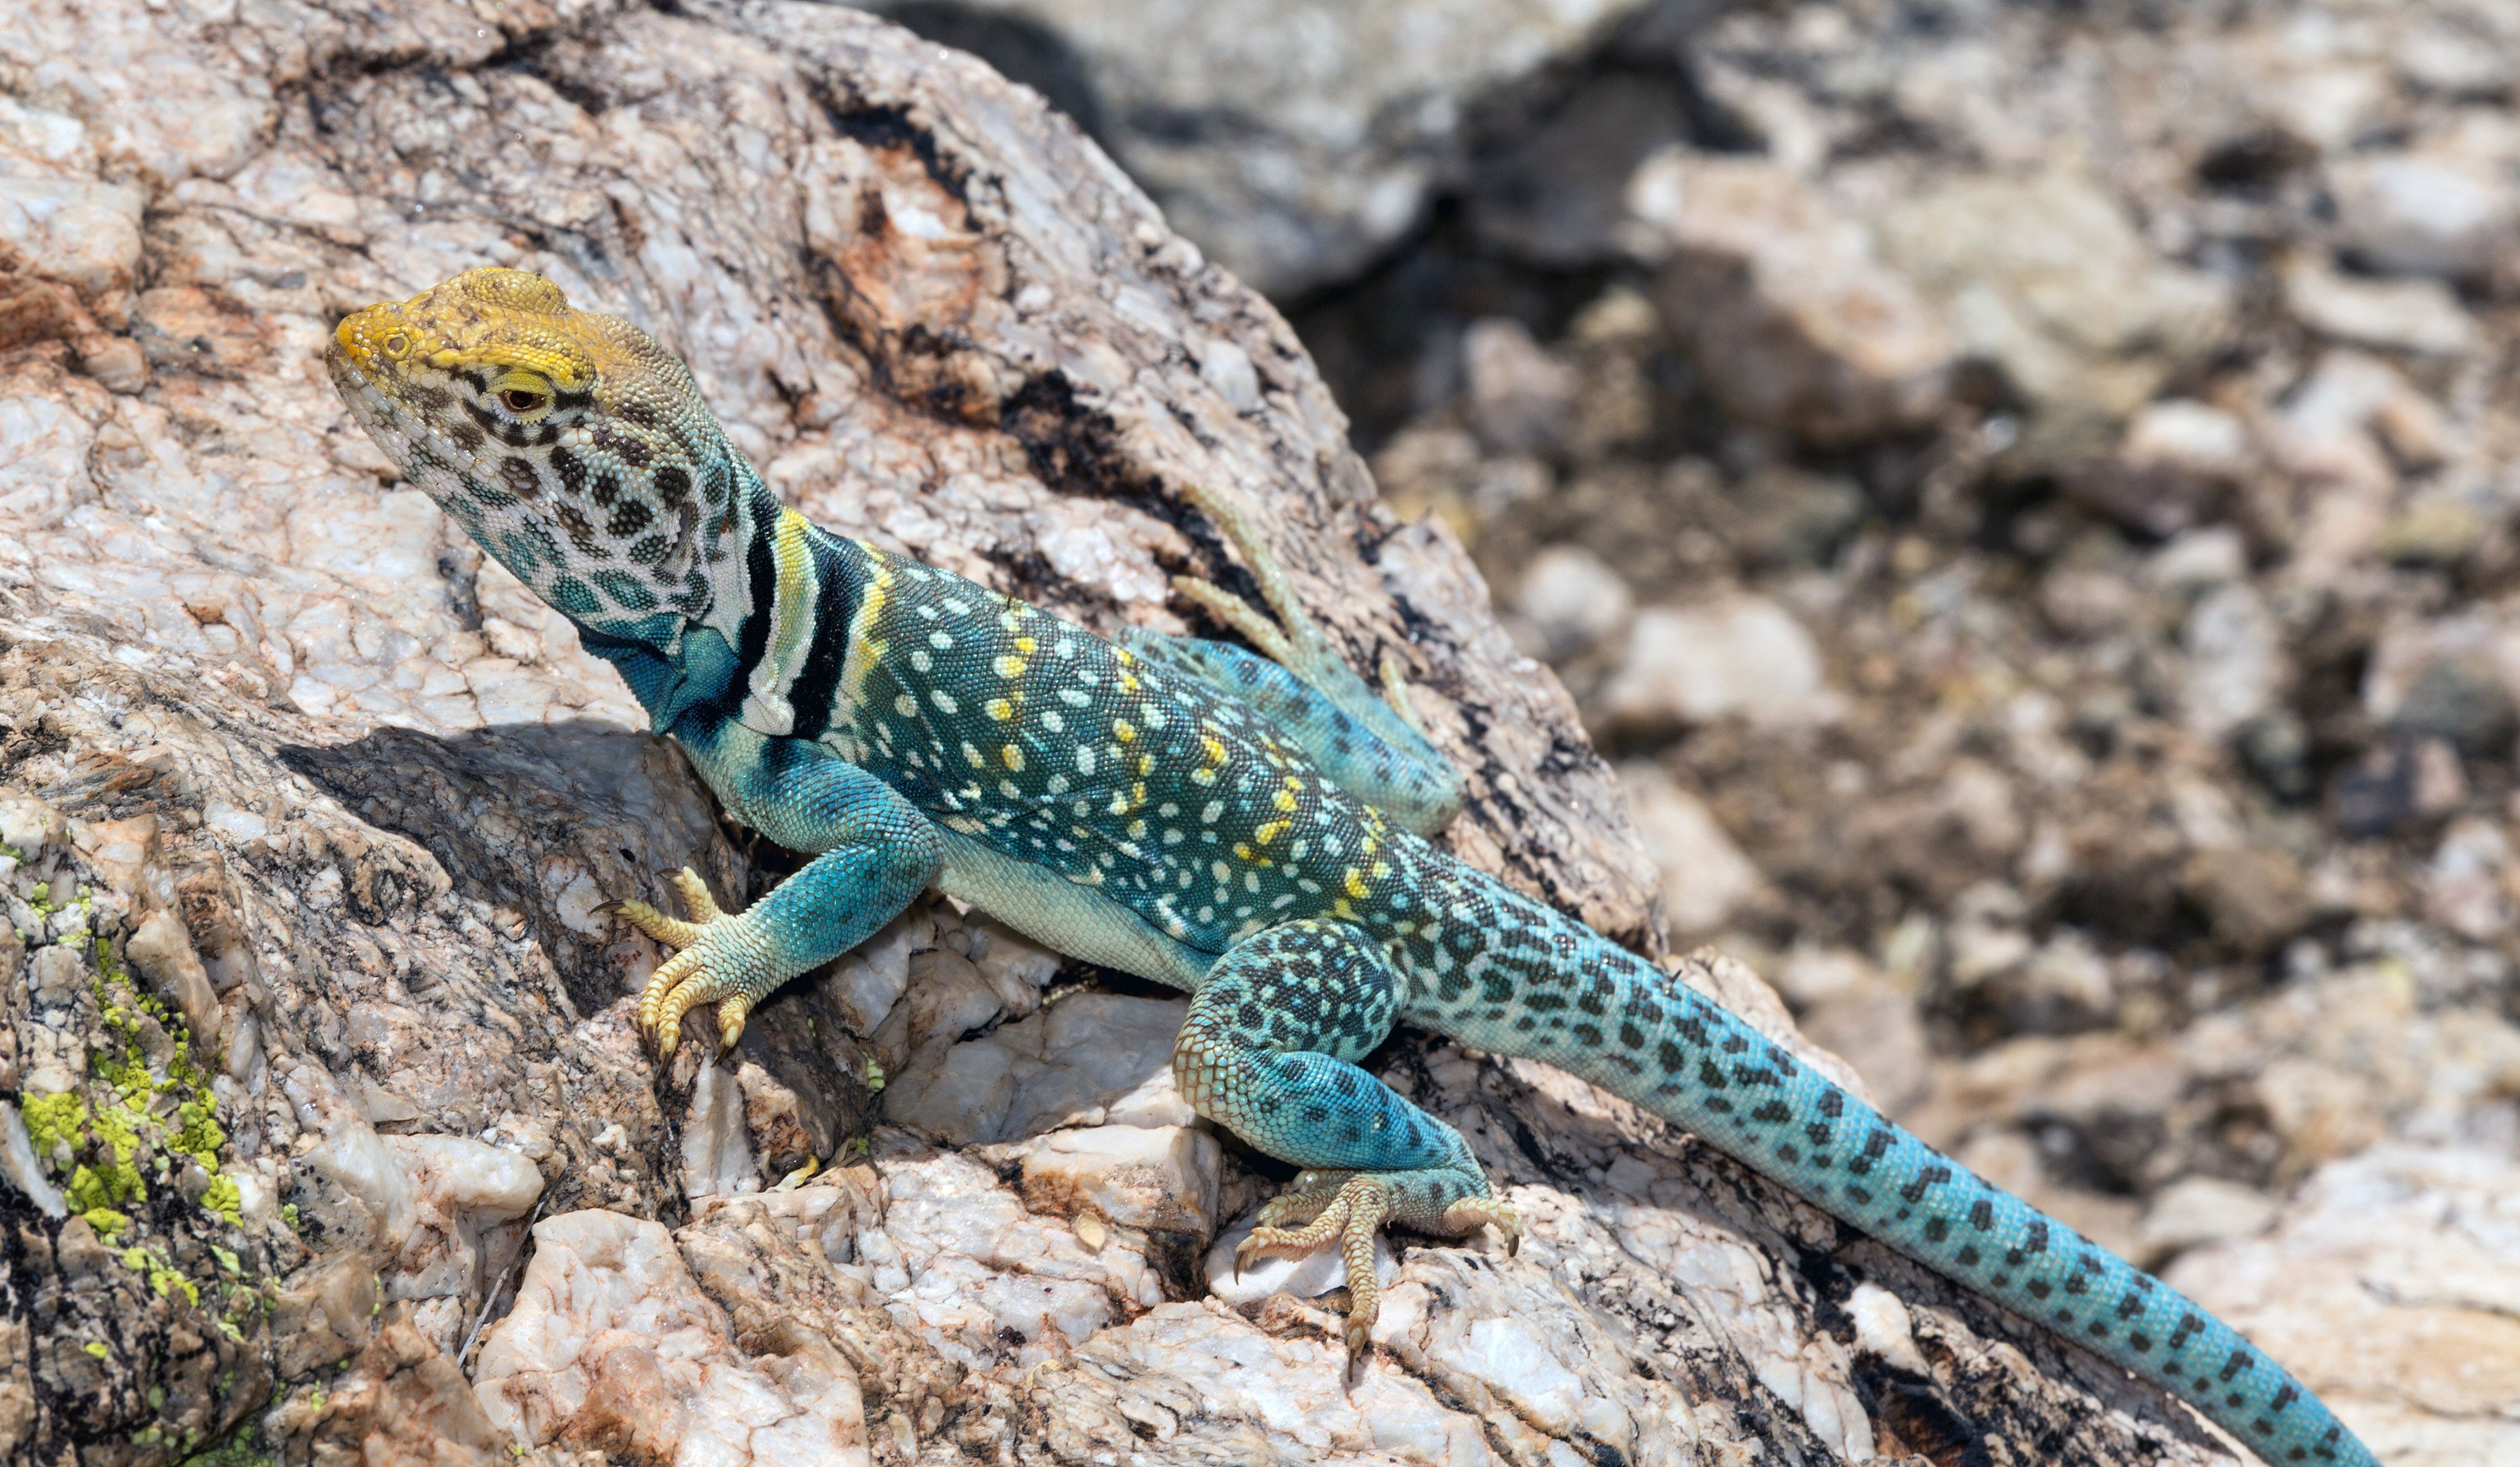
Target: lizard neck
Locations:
point(767, 648)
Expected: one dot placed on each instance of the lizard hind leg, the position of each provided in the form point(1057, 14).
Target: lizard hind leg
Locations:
point(1270, 1052)
point(1369, 744)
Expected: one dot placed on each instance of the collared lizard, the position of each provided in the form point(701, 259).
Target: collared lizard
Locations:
point(1249, 830)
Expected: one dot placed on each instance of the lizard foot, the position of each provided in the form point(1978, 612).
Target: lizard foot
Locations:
point(1351, 1207)
point(717, 960)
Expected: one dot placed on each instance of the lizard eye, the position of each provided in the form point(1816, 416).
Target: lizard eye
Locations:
point(524, 396)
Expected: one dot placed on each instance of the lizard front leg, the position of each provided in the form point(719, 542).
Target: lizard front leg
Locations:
point(1270, 1052)
point(878, 854)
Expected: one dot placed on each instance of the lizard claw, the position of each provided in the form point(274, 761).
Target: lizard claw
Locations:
point(1355, 1210)
point(707, 965)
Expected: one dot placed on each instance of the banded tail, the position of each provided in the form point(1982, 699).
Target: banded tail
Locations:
point(1577, 1002)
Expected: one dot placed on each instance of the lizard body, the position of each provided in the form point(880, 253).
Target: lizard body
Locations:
point(1249, 830)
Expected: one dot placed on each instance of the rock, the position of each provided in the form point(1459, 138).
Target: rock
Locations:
point(2044, 278)
point(612, 1346)
point(81, 233)
point(1779, 517)
point(1518, 395)
point(392, 796)
point(2199, 1210)
point(1307, 1277)
point(1705, 877)
point(1852, 1008)
point(403, 1400)
point(2177, 467)
point(1091, 1059)
point(1743, 656)
point(2253, 896)
point(1571, 601)
point(1154, 1179)
point(2421, 315)
point(2387, 1283)
point(2457, 679)
point(1792, 321)
point(1305, 146)
point(2446, 58)
point(1555, 197)
point(2464, 888)
point(2420, 213)
point(2435, 529)
point(460, 1189)
point(2400, 784)
point(873, 976)
point(2081, 603)
point(2200, 560)
point(2235, 661)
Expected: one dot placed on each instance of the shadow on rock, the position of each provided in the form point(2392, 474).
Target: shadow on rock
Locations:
point(545, 822)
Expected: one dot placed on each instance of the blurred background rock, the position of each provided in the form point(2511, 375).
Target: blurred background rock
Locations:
point(2025, 494)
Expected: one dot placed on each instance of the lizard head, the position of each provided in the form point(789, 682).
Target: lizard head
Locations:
point(571, 445)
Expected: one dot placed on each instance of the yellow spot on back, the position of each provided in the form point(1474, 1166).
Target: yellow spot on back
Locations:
point(999, 709)
point(1010, 667)
point(1270, 831)
point(1013, 757)
point(1124, 731)
point(1356, 887)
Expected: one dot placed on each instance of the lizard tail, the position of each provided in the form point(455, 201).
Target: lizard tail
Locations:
point(1592, 1008)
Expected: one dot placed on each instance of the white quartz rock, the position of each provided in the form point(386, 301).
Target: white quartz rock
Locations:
point(1153, 1177)
point(613, 1344)
point(1091, 1059)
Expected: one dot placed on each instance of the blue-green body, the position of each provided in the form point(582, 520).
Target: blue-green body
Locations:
point(1247, 828)
point(1211, 842)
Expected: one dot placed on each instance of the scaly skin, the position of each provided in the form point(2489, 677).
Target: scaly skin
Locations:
point(1247, 829)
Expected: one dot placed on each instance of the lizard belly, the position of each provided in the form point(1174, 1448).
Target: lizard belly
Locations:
point(1077, 920)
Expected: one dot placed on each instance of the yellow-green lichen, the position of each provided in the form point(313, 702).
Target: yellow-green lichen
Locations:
point(133, 1119)
point(162, 1276)
point(54, 1122)
point(233, 1453)
point(96, 1348)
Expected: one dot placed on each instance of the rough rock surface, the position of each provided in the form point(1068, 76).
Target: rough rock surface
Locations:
point(327, 1133)
point(1295, 139)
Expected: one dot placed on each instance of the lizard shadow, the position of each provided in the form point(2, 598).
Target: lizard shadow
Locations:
point(542, 824)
